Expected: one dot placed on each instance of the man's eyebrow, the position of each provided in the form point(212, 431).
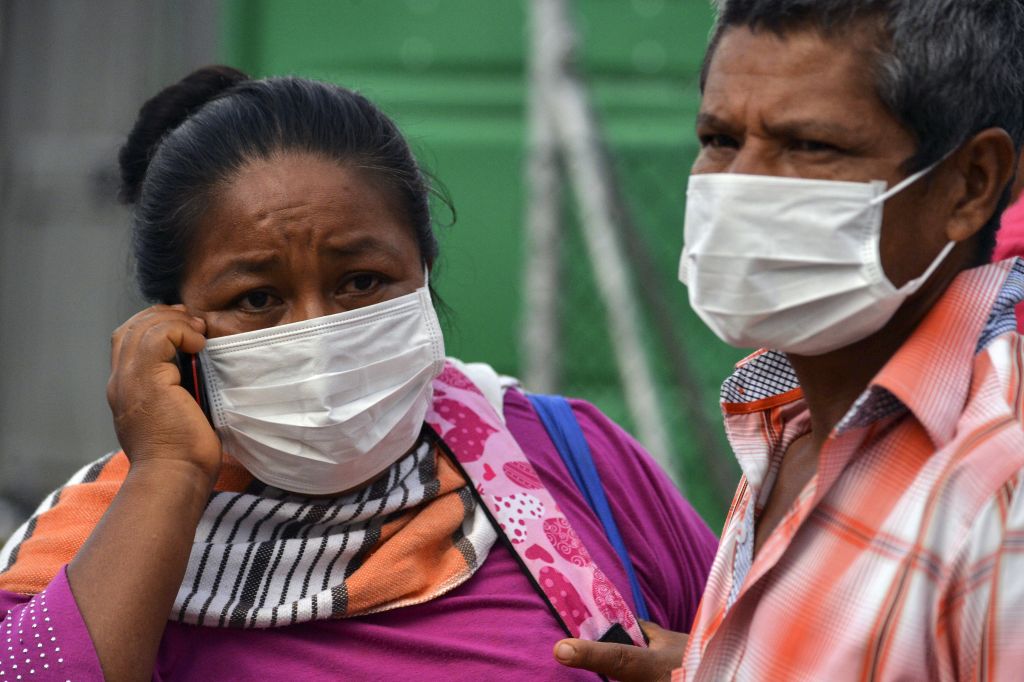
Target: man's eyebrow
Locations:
point(710, 120)
point(810, 128)
point(790, 128)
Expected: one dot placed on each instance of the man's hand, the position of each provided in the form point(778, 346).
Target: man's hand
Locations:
point(627, 663)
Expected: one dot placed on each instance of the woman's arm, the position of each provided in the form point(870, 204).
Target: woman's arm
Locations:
point(43, 638)
point(127, 574)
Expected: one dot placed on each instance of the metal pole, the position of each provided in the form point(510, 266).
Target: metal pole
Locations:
point(542, 271)
point(591, 180)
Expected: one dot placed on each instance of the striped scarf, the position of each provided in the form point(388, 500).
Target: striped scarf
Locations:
point(263, 557)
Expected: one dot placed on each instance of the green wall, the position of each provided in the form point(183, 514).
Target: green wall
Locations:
point(451, 73)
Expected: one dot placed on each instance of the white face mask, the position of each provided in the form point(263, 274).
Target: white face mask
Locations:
point(324, 405)
point(788, 263)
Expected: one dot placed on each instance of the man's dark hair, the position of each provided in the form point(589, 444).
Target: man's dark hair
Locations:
point(946, 69)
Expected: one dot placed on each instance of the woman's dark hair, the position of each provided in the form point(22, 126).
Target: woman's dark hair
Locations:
point(196, 133)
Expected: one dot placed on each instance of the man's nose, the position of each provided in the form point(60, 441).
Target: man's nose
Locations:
point(755, 157)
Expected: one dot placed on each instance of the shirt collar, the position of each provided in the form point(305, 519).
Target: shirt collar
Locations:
point(931, 372)
point(929, 375)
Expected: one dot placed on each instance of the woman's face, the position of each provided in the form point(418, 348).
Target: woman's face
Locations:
point(297, 237)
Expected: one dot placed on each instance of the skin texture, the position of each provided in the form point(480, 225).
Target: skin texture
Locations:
point(803, 105)
point(296, 238)
point(285, 239)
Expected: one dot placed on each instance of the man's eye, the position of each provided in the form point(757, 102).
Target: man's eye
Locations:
point(718, 142)
point(813, 146)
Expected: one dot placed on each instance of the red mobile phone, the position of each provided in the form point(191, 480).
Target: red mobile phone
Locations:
point(192, 380)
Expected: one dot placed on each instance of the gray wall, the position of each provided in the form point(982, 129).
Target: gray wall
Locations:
point(73, 73)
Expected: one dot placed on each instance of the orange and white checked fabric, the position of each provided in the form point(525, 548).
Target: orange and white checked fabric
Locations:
point(903, 557)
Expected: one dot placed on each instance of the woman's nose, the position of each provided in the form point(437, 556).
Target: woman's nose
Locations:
point(307, 308)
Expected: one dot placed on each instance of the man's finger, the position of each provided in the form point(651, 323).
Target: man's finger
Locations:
point(618, 661)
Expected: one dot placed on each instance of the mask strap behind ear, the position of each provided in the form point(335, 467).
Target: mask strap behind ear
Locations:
point(910, 180)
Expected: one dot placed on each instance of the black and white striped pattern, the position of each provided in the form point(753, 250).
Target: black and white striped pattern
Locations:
point(87, 474)
point(266, 557)
point(273, 558)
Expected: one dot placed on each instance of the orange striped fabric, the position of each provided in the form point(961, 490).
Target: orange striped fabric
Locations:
point(413, 535)
point(68, 516)
point(903, 557)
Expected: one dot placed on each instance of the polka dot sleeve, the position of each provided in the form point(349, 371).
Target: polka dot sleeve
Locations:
point(44, 637)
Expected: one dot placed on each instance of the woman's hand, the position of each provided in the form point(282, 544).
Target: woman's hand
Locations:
point(155, 418)
point(624, 662)
point(126, 575)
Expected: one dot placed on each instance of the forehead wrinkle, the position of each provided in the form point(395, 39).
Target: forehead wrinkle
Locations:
point(301, 206)
point(361, 246)
point(302, 223)
point(265, 188)
point(724, 109)
point(240, 266)
point(780, 81)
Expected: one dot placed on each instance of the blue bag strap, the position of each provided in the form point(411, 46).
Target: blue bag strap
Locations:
point(558, 418)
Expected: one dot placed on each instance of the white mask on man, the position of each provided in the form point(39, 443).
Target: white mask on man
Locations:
point(790, 264)
point(325, 405)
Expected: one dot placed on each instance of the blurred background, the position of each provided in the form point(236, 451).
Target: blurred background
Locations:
point(460, 78)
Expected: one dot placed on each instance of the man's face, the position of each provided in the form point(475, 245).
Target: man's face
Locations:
point(804, 106)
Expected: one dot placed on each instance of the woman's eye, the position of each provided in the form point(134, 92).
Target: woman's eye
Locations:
point(362, 283)
point(255, 300)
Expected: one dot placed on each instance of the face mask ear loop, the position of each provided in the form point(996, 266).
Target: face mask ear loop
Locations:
point(913, 285)
point(908, 181)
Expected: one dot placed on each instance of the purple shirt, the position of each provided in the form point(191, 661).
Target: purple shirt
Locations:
point(492, 624)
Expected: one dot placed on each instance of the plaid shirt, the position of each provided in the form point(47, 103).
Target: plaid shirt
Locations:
point(903, 557)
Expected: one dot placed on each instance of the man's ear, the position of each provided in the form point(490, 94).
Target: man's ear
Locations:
point(984, 165)
point(1018, 182)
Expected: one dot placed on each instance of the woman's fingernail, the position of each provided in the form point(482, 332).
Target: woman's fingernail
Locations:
point(564, 652)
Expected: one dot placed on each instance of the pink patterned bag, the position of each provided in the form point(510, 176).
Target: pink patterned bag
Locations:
point(583, 598)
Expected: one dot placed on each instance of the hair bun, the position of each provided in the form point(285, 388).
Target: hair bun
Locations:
point(163, 113)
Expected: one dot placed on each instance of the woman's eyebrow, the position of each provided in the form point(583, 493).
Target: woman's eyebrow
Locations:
point(362, 246)
point(248, 264)
point(260, 263)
